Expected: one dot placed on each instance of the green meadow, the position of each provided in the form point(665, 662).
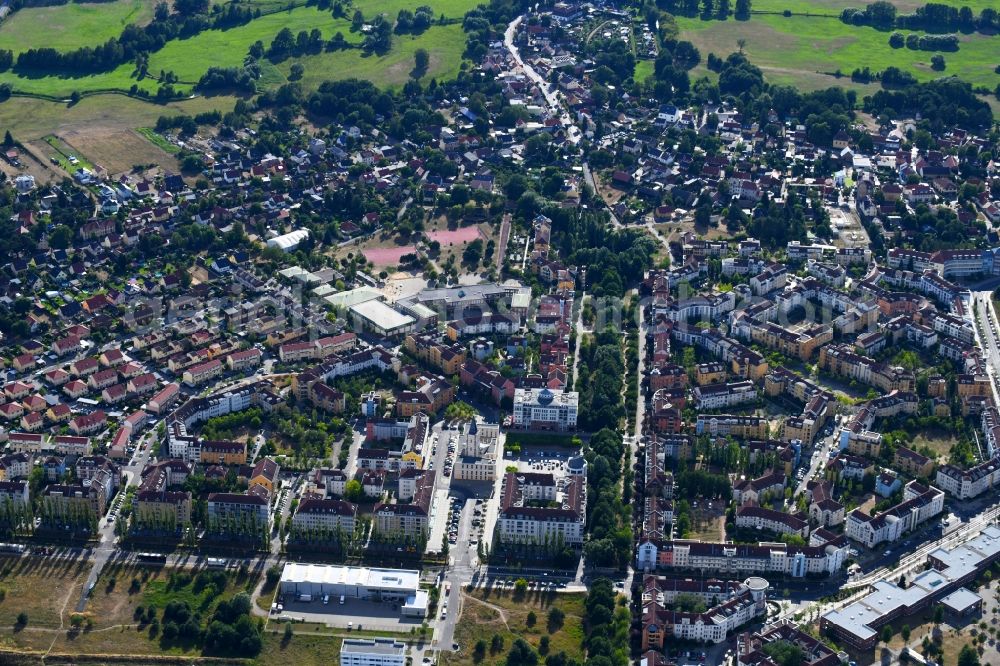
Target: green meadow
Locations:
point(804, 50)
point(79, 25)
point(71, 26)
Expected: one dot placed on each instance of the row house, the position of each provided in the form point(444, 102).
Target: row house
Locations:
point(762, 558)
point(316, 516)
point(779, 522)
point(202, 373)
point(720, 396)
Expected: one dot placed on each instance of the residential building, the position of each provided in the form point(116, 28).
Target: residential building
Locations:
point(527, 514)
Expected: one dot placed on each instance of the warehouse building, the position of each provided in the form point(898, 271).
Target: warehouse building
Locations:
point(365, 583)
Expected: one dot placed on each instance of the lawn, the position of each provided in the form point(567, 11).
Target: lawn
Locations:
point(69, 159)
point(643, 70)
point(158, 140)
point(71, 25)
point(939, 441)
point(487, 613)
point(803, 51)
point(41, 588)
point(300, 650)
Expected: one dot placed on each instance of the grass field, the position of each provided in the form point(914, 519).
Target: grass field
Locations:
point(30, 119)
point(939, 441)
point(157, 140)
point(40, 588)
point(67, 156)
point(189, 58)
point(300, 651)
point(494, 612)
point(643, 70)
point(72, 25)
point(799, 50)
point(444, 44)
point(836, 6)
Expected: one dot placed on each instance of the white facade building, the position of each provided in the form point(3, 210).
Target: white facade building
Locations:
point(545, 409)
point(372, 652)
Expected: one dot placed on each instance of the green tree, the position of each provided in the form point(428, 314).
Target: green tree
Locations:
point(354, 491)
point(968, 656)
point(421, 60)
point(521, 654)
point(61, 237)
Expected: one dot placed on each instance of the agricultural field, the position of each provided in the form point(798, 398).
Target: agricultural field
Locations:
point(806, 50)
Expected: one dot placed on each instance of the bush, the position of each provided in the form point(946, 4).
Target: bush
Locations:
point(556, 619)
point(22, 619)
point(170, 631)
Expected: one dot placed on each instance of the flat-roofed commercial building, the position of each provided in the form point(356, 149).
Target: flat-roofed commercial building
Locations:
point(365, 583)
point(858, 624)
point(381, 319)
point(372, 652)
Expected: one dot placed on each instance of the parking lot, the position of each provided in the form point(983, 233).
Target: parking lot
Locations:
point(354, 614)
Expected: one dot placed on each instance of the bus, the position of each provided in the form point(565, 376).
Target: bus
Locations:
point(151, 558)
